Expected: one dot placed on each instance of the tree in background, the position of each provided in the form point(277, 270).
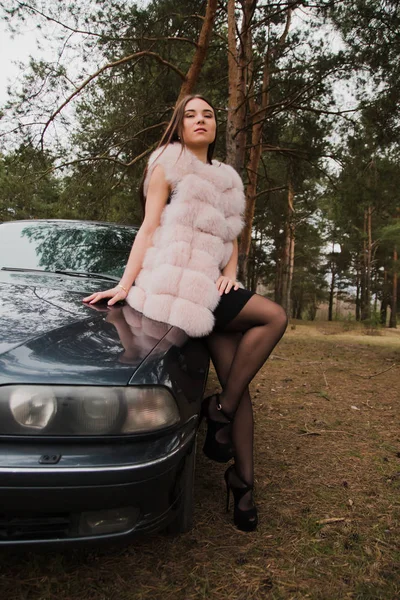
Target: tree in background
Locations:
point(274, 84)
point(24, 192)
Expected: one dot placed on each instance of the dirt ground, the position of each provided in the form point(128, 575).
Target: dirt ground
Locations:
point(327, 487)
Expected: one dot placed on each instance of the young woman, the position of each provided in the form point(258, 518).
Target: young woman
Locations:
point(183, 262)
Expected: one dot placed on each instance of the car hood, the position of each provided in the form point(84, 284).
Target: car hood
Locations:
point(48, 335)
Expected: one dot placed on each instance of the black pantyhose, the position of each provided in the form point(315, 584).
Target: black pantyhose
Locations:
point(238, 352)
point(222, 347)
point(262, 323)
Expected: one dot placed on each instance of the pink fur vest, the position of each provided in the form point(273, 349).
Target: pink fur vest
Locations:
point(192, 244)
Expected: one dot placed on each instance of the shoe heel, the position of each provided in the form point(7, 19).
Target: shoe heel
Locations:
point(227, 496)
point(245, 520)
point(203, 412)
point(228, 488)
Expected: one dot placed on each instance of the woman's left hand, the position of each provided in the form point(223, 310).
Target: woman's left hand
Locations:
point(225, 284)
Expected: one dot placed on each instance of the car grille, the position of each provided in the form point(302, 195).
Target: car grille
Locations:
point(34, 527)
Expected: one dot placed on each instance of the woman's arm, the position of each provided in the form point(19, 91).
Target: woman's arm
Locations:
point(227, 279)
point(231, 267)
point(156, 199)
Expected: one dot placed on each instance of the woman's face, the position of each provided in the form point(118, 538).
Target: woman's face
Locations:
point(199, 125)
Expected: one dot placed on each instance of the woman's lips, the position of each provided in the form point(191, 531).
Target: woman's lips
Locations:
point(200, 130)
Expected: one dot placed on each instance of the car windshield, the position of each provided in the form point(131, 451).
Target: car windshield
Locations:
point(66, 246)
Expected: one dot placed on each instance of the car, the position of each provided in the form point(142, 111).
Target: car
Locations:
point(99, 406)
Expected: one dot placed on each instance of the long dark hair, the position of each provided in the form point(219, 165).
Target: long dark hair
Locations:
point(173, 133)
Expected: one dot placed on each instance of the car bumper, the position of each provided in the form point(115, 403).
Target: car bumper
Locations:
point(58, 504)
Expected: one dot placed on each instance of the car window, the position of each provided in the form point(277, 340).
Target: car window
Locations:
point(79, 247)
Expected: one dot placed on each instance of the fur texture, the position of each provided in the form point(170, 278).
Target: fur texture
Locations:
point(193, 242)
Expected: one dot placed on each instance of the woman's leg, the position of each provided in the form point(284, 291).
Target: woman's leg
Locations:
point(262, 323)
point(222, 347)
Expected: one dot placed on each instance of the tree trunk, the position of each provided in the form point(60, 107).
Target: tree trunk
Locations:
point(384, 302)
point(278, 277)
point(331, 296)
point(337, 307)
point(376, 296)
point(363, 271)
point(256, 134)
point(297, 304)
point(299, 311)
point(294, 308)
point(257, 265)
point(200, 54)
point(251, 190)
point(358, 293)
point(252, 264)
point(258, 113)
point(291, 264)
point(233, 85)
point(332, 285)
point(238, 61)
point(312, 309)
point(288, 252)
point(393, 304)
point(367, 248)
point(369, 261)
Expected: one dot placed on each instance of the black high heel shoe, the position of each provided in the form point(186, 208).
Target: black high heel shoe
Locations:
point(245, 520)
point(213, 449)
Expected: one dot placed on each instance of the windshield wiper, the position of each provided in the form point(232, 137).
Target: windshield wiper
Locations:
point(85, 274)
point(22, 270)
point(60, 272)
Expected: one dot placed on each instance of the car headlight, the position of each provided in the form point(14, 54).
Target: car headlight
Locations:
point(148, 409)
point(94, 412)
point(85, 410)
point(33, 406)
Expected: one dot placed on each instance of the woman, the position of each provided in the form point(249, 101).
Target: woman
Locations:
point(183, 262)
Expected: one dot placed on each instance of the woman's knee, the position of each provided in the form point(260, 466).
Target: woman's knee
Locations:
point(279, 317)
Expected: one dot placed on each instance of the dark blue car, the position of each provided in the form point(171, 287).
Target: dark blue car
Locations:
point(99, 406)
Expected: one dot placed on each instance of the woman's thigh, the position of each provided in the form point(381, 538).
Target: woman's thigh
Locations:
point(258, 311)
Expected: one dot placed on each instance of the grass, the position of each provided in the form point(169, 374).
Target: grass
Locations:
point(327, 456)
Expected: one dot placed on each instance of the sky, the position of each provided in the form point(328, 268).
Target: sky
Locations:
point(18, 48)
point(13, 50)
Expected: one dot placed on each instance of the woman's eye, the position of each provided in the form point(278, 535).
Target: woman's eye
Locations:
point(190, 116)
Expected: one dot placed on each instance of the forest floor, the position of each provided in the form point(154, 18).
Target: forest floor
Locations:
point(327, 488)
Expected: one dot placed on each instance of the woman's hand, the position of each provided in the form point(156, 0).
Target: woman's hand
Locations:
point(225, 284)
point(116, 294)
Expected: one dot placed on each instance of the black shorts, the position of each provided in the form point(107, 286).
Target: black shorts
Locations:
point(230, 305)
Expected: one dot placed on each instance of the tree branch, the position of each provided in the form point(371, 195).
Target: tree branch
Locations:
point(279, 188)
point(116, 63)
point(102, 35)
point(324, 111)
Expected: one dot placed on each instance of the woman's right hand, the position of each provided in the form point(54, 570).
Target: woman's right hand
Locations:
point(117, 294)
